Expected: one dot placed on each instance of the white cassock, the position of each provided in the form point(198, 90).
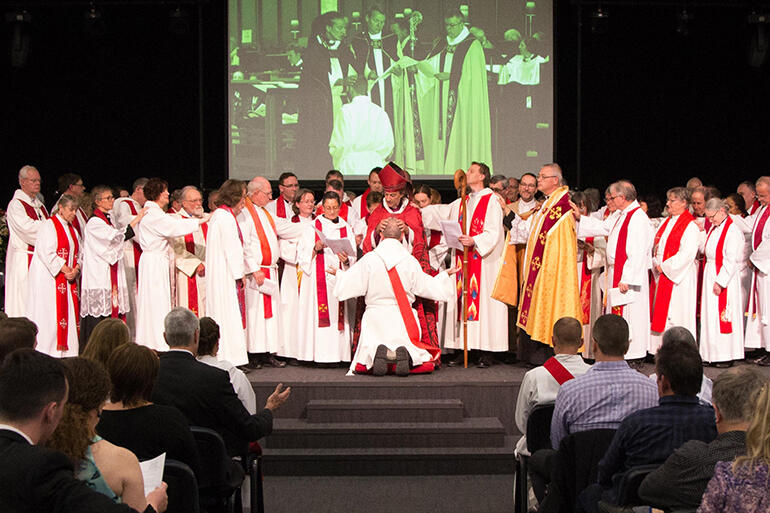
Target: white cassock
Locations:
point(382, 322)
point(46, 265)
point(682, 269)
point(714, 345)
point(155, 232)
point(224, 266)
point(23, 226)
point(80, 221)
point(263, 303)
point(636, 311)
point(291, 285)
point(102, 248)
point(758, 323)
point(362, 137)
point(490, 331)
point(329, 344)
point(122, 215)
point(275, 209)
point(186, 263)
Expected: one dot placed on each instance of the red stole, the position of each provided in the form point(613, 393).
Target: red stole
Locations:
point(754, 207)
point(32, 214)
point(267, 255)
point(322, 294)
point(407, 315)
point(137, 247)
point(551, 216)
point(725, 325)
point(62, 285)
point(474, 266)
point(280, 207)
point(586, 280)
point(665, 285)
point(558, 371)
point(239, 292)
point(113, 271)
point(76, 222)
point(192, 281)
point(364, 208)
point(621, 256)
point(435, 239)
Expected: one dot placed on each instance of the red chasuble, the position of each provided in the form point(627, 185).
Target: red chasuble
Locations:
point(32, 214)
point(240, 293)
point(63, 251)
point(192, 282)
point(474, 265)
point(264, 245)
point(320, 280)
point(725, 325)
point(113, 271)
point(137, 247)
point(665, 285)
point(621, 256)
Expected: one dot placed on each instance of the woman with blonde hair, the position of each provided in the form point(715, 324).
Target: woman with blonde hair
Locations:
point(106, 468)
point(105, 338)
point(743, 486)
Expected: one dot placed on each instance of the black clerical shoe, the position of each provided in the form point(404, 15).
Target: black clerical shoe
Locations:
point(402, 361)
point(764, 361)
point(485, 361)
point(272, 361)
point(293, 362)
point(380, 365)
point(255, 364)
point(723, 365)
point(457, 361)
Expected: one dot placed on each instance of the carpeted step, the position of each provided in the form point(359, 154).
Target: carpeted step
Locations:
point(384, 410)
point(469, 432)
point(393, 461)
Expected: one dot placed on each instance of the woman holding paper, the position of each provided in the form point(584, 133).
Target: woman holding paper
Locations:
point(322, 328)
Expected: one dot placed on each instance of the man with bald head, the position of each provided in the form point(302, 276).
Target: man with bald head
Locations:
point(190, 254)
point(390, 278)
point(261, 232)
point(629, 259)
point(25, 215)
point(758, 324)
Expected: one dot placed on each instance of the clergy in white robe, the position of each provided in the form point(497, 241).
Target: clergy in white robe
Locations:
point(322, 327)
point(225, 301)
point(362, 137)
point(629, 249)
point(25, 215)
point(721, 328)
point(155, 232)
point(288, 186)
point(675, 247)
point(190, 255)
point(53, 283)
point(123, 211)
point(758, 311)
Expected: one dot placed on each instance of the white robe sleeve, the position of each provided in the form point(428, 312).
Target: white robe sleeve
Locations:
point(232, 248)
point(589, 226)
point(677, 265)
point(106, 241)
point(525, 401)
point(520, 229)
point(352, 282)
point(437, 288)
point(285, 229)
point(46, 247)
point(432, 214)
point(761, 256)
point(21, 224)
point(733, 249)
point(170, 226)
point(122, 215)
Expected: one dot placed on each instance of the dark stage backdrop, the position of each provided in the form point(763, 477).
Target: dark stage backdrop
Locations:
point(657, 108)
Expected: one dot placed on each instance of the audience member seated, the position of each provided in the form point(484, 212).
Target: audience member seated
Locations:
point(204, 393)
point(33, 395)
point(208, 347)
point(682, 333)
point(680, 482)
point(16, 333)
point(608, 392)
point(742, 486)
point(130, 420)
point(107, 468)
point(651, 435)
point(105, 337)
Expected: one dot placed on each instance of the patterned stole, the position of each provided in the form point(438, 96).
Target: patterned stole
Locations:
point(239, 292)
point(320, 280)
point(621, 256)
point(192, 281)
point(474, 266)
point(137, 247)
point(725, 325)
point(665, 285)
point(267, 255)
point(113, 271)
point(32, 214)
point(68, 254)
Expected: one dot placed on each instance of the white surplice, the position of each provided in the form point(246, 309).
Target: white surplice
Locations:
point(682, 269)
point(102, 247)
point(22, 233)
point(362, 137)
point(225, 265)
point(758, 324)
point(41, 307)
point(121, 217)
point(155, 232)
point(328, 344)
point(291, 286)
point(635, 271)
point(382, 322)
point(714, 345)
point(186, 264)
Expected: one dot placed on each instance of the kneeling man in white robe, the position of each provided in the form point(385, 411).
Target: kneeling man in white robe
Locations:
point(389, 278)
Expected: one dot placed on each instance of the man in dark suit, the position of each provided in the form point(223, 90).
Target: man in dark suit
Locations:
point(33, 392)
point(204, 393)
point(681, 481)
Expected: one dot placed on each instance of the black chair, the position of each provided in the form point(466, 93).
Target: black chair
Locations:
point(220, 477)
point(182, 488)
point(628, 489)
point(254, 471)
point(538, 437)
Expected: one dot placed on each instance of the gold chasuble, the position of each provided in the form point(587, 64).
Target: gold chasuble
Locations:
point(549, 288)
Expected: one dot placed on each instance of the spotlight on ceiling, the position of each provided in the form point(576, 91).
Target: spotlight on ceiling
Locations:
point(599, 21)
point(21, 34)
point(179, 21)
point(759, 38)
point(684, 19)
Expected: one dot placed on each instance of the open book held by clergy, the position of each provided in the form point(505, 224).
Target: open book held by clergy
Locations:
point(336, 245)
